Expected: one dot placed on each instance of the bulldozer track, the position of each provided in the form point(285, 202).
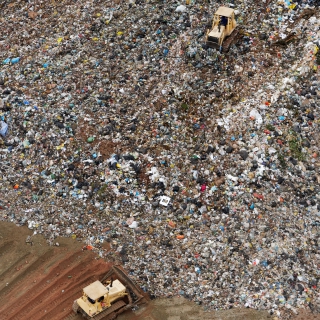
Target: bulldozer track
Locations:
point(107, 314)
point(111, 312)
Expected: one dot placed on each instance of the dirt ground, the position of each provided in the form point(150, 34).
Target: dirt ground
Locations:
point(40, 282)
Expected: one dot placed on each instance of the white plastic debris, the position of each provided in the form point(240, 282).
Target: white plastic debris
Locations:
point(272, 150)
point(164, 200)
point(154, 174)
point(31, 224)
point(133, 225)
point(181, 8)
point(254, 113)
point(255, 262)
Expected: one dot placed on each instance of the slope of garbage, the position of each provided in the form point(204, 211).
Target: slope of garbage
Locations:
point(200, 169)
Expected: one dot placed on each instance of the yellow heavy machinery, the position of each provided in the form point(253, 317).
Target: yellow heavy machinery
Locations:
point(223, 31)
point(107, 298)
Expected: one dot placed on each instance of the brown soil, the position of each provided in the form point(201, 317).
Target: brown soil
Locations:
point(84, 131)
point(40, 282)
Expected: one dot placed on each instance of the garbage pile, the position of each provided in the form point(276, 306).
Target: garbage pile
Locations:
point(198, 170)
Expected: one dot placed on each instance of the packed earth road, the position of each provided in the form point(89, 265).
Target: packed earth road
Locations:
point(197, 170)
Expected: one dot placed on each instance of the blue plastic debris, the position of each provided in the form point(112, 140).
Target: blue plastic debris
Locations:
point(3, 128)
point(15, 60)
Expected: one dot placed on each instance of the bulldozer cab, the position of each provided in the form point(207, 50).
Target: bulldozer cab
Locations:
point(224, 17)
point(96, 297)
point(222, 26)
point(95, 292)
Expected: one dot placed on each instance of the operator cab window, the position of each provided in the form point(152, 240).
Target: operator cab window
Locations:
point(91, 301)
point(223, 21)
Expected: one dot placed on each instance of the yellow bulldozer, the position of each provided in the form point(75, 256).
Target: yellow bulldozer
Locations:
point(223, 32)
point(107, 298)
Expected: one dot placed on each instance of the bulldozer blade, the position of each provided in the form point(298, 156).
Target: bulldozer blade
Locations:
point(232, 39)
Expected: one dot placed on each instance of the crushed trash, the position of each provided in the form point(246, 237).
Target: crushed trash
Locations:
point(119, 125)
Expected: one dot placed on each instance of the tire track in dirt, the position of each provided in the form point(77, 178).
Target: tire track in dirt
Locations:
point(13, 268)
point(5, 263)
point(82, 268)
point(73, 293)
point(48, 285)
point(51, 306)
point(5, 247)
point(33, 275)
point(21, 283)
point(15, 285)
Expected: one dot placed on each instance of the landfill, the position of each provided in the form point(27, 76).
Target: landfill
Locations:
point(199, 168)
